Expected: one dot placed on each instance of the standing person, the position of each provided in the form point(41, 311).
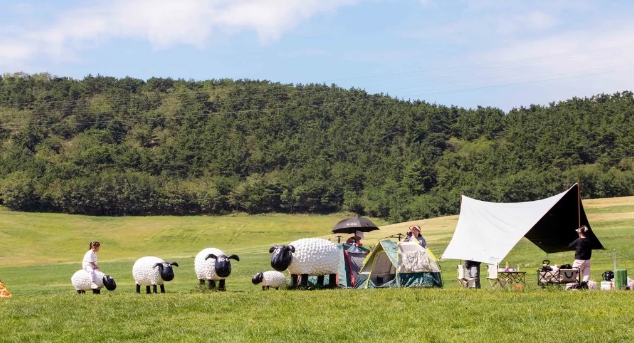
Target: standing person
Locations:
point(89, 264)
point(356, 239)
point(583, 252)
point(473, 271)
point(414, 236)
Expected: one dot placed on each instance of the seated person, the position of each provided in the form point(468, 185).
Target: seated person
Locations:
point(356, 239)
point(473, 272)
point(414, 236)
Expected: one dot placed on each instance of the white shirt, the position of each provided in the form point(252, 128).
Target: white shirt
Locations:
point(90, 256)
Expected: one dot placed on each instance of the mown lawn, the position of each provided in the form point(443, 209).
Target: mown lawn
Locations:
point(40, 252)
point(379, 315)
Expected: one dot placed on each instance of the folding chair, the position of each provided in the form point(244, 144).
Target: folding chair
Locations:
point(463, 282)
point(492, 277)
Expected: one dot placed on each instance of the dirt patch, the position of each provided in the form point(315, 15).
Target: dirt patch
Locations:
point(607, 202)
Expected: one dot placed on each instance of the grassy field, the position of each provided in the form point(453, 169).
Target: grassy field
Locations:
point(40, 252)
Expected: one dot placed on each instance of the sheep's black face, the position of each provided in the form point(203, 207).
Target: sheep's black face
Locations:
point(109, 283)
point(257, 278)
point(222, 264)
point(282, 256)
point(166, 270)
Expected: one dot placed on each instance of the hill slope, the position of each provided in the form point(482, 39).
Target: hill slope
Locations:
point(110, 146)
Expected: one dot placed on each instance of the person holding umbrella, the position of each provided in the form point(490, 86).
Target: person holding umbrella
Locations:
point(356, 239)
point(414, 236)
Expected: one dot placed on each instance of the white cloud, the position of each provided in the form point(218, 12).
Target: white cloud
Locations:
point(163, 23)
point(532, 21)
point(512, 53)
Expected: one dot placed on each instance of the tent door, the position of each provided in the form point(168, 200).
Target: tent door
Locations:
point(383, 270)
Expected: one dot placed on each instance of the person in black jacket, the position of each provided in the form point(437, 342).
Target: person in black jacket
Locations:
point(583, 252)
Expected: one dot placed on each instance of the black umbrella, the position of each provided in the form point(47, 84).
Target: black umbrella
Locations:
point(351, 225)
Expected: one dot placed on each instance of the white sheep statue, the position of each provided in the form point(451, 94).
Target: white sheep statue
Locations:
point(82, 281)
point(308, 256)
point(152, 271)
point(213, 265)
point(269, 278)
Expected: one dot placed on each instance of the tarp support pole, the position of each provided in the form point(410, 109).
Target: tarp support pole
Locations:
point(579, 202)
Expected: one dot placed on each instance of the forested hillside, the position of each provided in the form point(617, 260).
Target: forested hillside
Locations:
point(110, 146)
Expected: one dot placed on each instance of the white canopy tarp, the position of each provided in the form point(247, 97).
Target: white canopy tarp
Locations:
point(487, 231)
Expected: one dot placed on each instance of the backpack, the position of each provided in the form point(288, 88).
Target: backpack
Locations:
point(608, 275)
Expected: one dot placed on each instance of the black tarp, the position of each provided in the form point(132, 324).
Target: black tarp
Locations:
point(556, 229)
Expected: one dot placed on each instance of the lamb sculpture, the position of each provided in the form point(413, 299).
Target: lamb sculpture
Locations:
point(152, 271)
point(81, 280)
point(213, 265)
point(269, 278)
point(308, 256)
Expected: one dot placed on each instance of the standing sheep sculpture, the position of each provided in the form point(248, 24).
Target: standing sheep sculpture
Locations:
point(82, 280)
point(152, 271)
point(268, 279)
point(308, 256)
point(213, 265)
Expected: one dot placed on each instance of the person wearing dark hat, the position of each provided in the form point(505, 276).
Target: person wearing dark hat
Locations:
point(414, 236)
point(583, 252)
point(356, 239)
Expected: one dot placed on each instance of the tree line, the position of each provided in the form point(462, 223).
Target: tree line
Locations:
point(124, 146)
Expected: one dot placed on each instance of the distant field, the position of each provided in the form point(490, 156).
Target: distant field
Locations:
point(39, 253)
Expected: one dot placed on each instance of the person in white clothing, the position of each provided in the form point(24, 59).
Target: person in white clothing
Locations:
point(89, 264)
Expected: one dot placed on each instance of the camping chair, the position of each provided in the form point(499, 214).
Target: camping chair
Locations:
point(463, 282)
point(492, 277)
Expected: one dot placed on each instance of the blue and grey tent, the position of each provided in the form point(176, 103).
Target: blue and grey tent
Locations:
point(392, 264)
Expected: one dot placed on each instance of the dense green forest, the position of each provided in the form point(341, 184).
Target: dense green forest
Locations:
point(108, 146)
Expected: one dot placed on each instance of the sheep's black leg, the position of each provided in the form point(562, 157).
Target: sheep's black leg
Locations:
point(267, 288)
point(96, 291)
point(332, 280)
point(147, 290)
point(293, 280)
point(212, 284)
point(138, 289)
point(79, 291)
point(264, 288)
point(277, 288)
point(304, 280)
point(162, 289)
point(202, 282)
point(154, 289)
point(320, 280)
point(221, 285)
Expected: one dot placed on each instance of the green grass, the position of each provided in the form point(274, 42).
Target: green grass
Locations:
point(379, 315)
point(40, 252)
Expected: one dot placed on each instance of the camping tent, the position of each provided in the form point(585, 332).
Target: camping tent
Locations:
point(392, 264)
point(487, 231)
point(352, 257)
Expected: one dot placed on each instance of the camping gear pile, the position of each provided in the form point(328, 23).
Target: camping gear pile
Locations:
point(388, 264)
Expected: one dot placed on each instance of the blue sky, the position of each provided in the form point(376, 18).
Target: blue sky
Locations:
point(465, 52)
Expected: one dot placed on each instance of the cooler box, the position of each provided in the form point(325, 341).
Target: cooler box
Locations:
point(606, 285)
point(620, 278)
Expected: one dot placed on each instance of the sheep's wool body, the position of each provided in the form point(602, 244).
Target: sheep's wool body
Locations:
point(314, 256)
point(206, 269)
point(81, 280)
point(273, 279)
point(145, 273)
